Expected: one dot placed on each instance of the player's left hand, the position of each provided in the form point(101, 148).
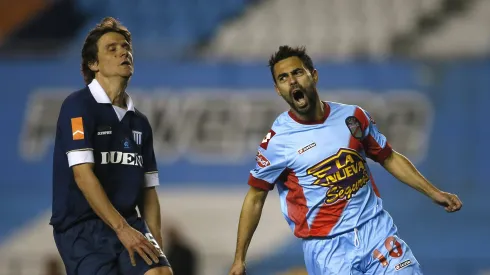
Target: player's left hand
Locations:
point(450, 201)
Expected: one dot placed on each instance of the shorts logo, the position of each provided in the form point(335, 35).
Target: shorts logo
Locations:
point(402, 265)
point(343, 173)
point(262, 161)
point(267, 138)
point(306, 148)
point(354, 126)
point(77, 128)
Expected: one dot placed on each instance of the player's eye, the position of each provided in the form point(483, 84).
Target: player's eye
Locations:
point(299, 72)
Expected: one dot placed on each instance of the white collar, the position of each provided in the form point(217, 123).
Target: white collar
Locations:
point(101, 97)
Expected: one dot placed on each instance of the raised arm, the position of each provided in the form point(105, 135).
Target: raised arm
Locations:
point(402, 169)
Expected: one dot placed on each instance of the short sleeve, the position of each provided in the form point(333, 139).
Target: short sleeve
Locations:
point(374, 142)
point(149, 161)
point(270, 163)
point(75, 130)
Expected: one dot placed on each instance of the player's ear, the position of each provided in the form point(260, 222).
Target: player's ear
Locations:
point(94, 66)
point(314, 74)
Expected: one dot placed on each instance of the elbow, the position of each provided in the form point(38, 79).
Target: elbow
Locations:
point(82, 174)
point(256, 196)
point(391, 159)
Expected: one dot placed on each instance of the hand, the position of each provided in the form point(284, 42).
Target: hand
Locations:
point(134, 241)
point(238, 268)
point(450, 201)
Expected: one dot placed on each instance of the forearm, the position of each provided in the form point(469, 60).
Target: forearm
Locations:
point(99, 202)
point(249, 219)
point(402, 169)
point(152, 215)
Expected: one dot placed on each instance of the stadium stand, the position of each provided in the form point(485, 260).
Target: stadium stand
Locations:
point(463, 35)
point(14, 13)
point(346, 29)
point(330, 28)
point(163, 29)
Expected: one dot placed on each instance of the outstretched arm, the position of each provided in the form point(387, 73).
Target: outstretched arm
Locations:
point(402, 169)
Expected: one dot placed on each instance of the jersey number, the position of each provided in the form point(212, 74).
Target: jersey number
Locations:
point(152, 240)
point(394, 250)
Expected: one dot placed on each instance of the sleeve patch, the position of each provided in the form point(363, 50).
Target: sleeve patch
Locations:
point(354, 126)
point(267, 138)
point(77, 128)
point(262, 161)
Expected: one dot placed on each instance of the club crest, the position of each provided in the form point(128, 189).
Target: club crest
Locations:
point(354, 126)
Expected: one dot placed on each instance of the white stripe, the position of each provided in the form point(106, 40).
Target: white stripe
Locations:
point(79, 157)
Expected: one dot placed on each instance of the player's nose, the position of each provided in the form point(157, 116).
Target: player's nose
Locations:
point(124, 53)
point(292, 80)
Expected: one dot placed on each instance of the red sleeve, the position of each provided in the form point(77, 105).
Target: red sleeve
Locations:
point(260, 184)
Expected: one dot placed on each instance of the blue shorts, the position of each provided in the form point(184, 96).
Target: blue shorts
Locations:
point(93, 248)
point(373, 248)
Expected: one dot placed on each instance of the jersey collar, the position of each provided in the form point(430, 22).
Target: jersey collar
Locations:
point(101, 97)
point(325, 116)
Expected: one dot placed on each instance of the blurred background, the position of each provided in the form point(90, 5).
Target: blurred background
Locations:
point(420, 67)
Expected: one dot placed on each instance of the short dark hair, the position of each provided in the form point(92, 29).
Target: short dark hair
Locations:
point(286, 52)
point(90, 49)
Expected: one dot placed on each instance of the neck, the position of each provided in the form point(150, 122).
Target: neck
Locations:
point(316, 114)
point(115, 88)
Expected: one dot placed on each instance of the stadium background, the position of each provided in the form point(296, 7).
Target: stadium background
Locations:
point(420, 67)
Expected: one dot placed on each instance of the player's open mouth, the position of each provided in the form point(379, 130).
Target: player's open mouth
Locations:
point(299, 97)
point(126, 62)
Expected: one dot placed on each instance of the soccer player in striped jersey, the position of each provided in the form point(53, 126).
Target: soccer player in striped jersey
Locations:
point(315, 154)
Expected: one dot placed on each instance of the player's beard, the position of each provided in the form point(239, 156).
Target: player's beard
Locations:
point(302, 100)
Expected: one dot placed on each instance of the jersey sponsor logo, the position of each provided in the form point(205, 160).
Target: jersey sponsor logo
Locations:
point(402, 265)
point(354, 126)
point(343, 173)
point(262, 161)
point(123, 158)
point(104, 133)
point(104, 130)
point(77, 128)
point(306, 148)
point(267, 138)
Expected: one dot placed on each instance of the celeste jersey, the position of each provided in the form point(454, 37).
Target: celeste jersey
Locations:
point(320, 169)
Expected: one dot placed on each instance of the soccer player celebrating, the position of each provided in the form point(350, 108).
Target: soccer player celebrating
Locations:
point(104, 168)
point(316, 156)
